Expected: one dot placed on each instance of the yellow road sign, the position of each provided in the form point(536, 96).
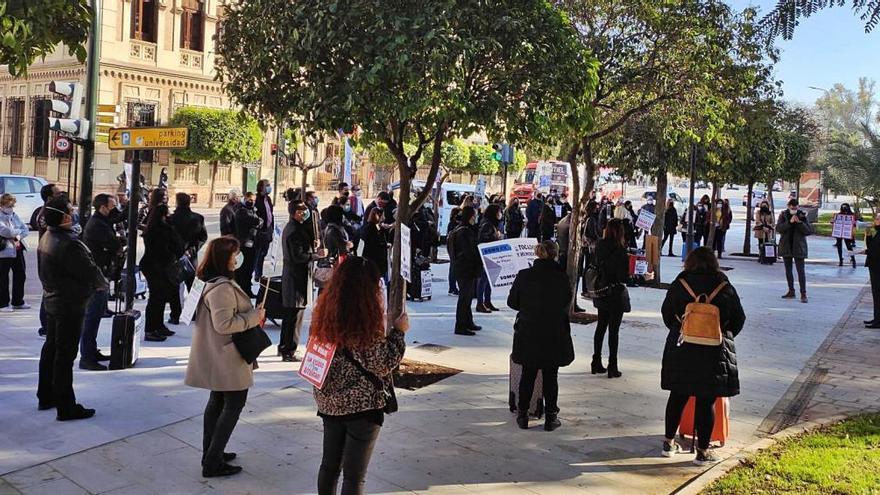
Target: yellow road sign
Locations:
point(108, 108)
point(106, 119)
point(148, 138)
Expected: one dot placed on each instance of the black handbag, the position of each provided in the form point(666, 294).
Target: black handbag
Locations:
point(251, 343)
point(180, 270)
point(387, 390)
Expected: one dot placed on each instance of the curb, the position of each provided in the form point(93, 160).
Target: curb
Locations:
point(697, 484)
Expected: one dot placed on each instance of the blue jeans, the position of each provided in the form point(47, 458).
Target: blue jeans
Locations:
point(88, 346)
point(484, 289)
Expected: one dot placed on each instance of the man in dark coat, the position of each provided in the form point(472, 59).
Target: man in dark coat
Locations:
point(69, 277)
point(794, 228)
point(542, 333)
point(227, 213)
point(190, 226)
point(873, 263)
point(670, 225)
point(296, 281)
point(467, 267)
point(266, 232)
point(704, 371)
point(100, 237)
point(533, 215)
point(247, 225)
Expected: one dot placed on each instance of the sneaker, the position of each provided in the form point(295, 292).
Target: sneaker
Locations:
point(670, 448)
point(705, 457)
point(6, 309)
point(21, 306)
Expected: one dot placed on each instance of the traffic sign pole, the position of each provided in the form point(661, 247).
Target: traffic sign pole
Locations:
point(88, 169)
point(133, 205)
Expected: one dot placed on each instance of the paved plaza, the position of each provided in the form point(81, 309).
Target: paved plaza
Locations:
point(457, 435)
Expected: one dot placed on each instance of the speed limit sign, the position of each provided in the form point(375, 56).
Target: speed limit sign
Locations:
point(62, 144)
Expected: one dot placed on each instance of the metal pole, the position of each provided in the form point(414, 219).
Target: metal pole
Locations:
point(279, 143)
point(134, 202)
point(85, 193)
point(504, 182)
point(690, 231)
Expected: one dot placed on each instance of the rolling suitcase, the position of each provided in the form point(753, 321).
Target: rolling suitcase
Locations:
point(768, 252)
point(722, 420)
point(274, 308)
point(128, 330)
point(536, 407)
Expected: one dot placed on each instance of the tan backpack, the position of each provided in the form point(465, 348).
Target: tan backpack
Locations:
point(701, 323)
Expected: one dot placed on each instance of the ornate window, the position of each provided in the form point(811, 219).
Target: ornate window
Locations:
point(14, 144)
point(192, 25)
point(144, 16)
point(139, 114)
point(39, 144)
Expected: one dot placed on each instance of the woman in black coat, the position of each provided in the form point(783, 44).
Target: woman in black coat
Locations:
point(612, 301)
point(542, 333)
point(296, 279)
point(453, 224)
point(513, 220)
point(335, 237)
point(489, 232)
point(376, 242)
point(703, 371)
point(670, 225)
point(162, 249)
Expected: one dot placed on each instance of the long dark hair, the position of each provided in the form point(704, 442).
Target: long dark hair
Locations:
point(701, 259)
point(334, 214)
point(349, 312)
point(157, 215)
point(614, 230)
point(491, 214)
point(215, 261)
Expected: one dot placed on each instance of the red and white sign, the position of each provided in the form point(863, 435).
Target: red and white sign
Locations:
point(62, 144)
point(316, 362)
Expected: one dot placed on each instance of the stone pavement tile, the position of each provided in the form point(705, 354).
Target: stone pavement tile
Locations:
point(92, 471)
point(7, 489)
point(36, 475)
point(56, 487)
point(130, 490)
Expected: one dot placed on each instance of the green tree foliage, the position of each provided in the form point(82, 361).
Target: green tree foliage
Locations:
point(842, 111)
point(786, 15)
point(480, 160)
point(33, 28)
point(407, 71)
point(854, 167)
point(455, 157)
point(218, 135)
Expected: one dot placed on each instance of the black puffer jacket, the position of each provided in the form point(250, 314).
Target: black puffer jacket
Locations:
point(693, 369)
point(67, 271)
point(542, 333)
point(190, 226)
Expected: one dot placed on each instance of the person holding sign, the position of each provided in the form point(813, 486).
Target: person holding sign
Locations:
point(214, 362)
point(844, 232)
point(356, 389)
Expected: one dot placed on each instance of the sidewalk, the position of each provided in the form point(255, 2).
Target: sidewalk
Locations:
point(456, 436)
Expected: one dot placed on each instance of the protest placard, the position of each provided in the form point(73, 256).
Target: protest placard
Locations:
point(405, 261)
point(842, 227)
point(502, 260)
point(316, 362)
point(645, 220)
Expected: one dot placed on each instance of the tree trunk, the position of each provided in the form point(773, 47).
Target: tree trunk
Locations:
point(397, 290)
point(435, 200)
point(770, 198)
point(710, 241)
point(660, 199)
point(213, 183)
point(575, 245)
point(747, 242)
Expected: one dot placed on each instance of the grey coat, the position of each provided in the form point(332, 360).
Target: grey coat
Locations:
point(793, 236)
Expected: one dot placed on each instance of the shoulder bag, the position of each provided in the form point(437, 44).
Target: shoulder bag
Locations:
point(251, 342)
point(387, 390)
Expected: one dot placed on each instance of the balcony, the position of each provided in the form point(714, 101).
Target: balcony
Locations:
point(142, 50)
point(192, 59)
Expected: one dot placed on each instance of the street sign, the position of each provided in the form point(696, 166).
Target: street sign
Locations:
point(62, 144)
point(148, 138)
point(109, 108)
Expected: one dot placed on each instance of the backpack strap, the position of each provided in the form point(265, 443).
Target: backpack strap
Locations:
point(716, 291)
point(688, 289)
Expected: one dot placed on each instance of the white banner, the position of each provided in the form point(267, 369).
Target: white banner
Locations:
point(346, 173)
point(405, 261)
point(191, 302)
point(645, 220)
point(502, 260)
point(843, 227)
point(426, 283)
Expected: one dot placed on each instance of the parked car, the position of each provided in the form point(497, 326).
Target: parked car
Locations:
point(672, 195)
point(450, 197)
point(757, 197)
point(733, 187)
point(27, 193)
point(701, 184)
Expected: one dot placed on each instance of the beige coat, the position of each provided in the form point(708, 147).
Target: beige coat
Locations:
point(214, 362)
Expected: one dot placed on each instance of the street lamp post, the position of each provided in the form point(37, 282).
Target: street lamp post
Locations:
point(690, 231)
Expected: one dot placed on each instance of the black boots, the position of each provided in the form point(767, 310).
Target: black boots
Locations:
point(522, 420)
point(551, 421)
point(596, 367)
point(612, 369)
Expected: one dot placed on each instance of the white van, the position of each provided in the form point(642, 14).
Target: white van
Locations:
point(450, 197)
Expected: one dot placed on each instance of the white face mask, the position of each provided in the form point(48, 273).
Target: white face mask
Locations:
point(792, 210)
point(239, 260)
point(7, 210)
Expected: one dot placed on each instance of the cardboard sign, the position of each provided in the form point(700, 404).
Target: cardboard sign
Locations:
point(316, 362)
point(769, 250)
point(641, 266)
point(558, 210)
point(645, 220)
point(405, 261)
point(503, 260)
point(843, 227)
point(426, 283)
point(191, 302)
point(139, 335)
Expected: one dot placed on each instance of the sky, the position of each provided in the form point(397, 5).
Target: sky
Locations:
point(829, 47)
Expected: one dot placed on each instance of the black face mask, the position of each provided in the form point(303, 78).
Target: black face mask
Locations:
point(249, 204)
point(765, 209)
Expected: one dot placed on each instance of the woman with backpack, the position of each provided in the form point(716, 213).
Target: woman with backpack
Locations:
point(357, 391)
point(611, 298)
point(705, 370)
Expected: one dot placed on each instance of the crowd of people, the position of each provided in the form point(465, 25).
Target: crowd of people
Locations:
point(352, 240)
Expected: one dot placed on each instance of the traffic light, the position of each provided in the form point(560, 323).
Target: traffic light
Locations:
point(507, 153)
point(274, 149)
point(69, 108)
point(496, 154)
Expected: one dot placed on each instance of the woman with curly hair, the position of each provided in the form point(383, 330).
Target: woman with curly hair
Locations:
point(350, 315)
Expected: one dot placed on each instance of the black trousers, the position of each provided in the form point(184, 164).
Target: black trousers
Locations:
point(789, 276)
point(162, 292)
point(704, 417)
point(348, 446)
point(610, 321)
point(291, 328)
point(464, 316)
point(550, 376)
point(261, 249)
point(56, 359)
point(667, 236)
point(850, 244)
point(875, 292)
point(17, 267)
point(243, 273)
point(221, 416)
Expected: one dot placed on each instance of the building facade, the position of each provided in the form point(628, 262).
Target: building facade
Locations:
point(156, 57)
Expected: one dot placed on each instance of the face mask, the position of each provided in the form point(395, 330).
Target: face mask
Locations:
point(346, 208)
point(498, 217)
point(315, 203)
point(249, 204)
point(793, 211)
point(7, 210)
point(239, 260)
point(268, 189)
point(306, 215)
